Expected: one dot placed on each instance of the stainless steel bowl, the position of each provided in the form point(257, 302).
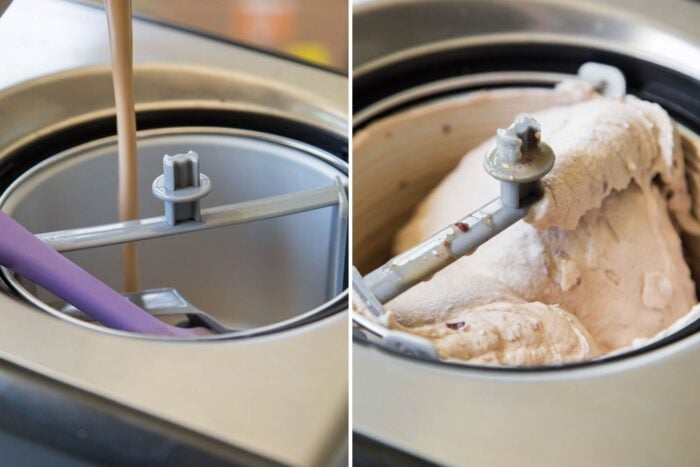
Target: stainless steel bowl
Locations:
point(459, 46)
point(635, 409)
point(254, 278)
point(235, 395)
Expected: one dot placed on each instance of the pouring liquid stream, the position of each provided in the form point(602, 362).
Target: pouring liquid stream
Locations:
point(28, 256)
point(121, 45)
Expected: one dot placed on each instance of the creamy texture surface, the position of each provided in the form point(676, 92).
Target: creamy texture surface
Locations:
point(598, 265)
point(509, 333)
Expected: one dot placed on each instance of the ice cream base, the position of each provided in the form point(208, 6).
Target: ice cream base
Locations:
point(597, 268)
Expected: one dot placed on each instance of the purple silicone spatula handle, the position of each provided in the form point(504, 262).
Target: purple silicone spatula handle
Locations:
point(28, 256)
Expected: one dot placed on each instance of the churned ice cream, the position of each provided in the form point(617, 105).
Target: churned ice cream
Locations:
point(597, 266)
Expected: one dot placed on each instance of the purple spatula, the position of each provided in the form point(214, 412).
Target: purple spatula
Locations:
point(31, 258)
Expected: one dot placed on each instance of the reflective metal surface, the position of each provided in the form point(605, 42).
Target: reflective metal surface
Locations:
point(633, 411)
point(509, 78)
point(254, 277)
point(641, 411)
point(80, 39)
point(644, 29)
point(260, 394)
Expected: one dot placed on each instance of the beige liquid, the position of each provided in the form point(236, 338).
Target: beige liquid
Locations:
point(120, 38)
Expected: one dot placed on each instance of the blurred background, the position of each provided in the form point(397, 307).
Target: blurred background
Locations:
point(313, 30)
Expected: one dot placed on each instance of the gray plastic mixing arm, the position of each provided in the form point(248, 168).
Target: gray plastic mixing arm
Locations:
point(519, 160)
point(181, 186)
point(442, 249)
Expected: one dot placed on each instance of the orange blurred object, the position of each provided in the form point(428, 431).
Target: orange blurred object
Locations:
point(269, 23)
point(314, 30)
